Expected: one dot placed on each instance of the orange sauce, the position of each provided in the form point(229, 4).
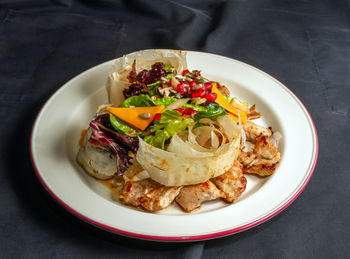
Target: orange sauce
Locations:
point(82, 136)
point(108, 183)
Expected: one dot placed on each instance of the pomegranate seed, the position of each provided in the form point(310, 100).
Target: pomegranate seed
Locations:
point(192, 84)
point(189, 111)
point(198, 73)
point(198, 86)
point(181, 88)
point(207, 86)
point(198, 93)
point(185, 72)
point(211, 96)
point(170, 80)
point(157, 117)
point(180, 110)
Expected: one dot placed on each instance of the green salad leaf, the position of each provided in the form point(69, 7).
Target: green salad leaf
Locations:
point(212, 112)
point(121, 126)
point(168, 67)
point(169, 76)
point(165, 101)
point(142, 100)
point(200, 80)
point(193, 106)
point(153, 88)
point(170, 124)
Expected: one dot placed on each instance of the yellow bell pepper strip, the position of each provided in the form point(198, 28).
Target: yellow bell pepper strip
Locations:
point(240, 105)
point(132, 115)
point(233, 112)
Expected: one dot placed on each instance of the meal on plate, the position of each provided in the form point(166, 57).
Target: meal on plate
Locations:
point(171, 134)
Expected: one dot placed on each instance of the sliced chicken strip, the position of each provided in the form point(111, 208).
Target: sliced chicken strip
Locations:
point(253, 131)
point(191, 196)
point(253, 114)
point(223, 89)
point(149, 194)
point(266, 150)
point(264, 159)
point(232, 183)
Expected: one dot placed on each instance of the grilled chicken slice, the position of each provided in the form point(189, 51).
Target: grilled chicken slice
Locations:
point(232, 183)
point(253, 114)
point(264, 159)
point(191, 196)
point(223, 89)
point(149, 194)
point(253, 131)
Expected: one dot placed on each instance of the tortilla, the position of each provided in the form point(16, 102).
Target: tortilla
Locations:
point(185, 166)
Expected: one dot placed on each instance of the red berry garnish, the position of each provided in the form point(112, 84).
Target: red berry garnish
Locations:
point(192, 84)
point(180, 110)
point(198, 93)
point(181, 89)
point(211, 96)
point(157, 117)
point(189, 111)
point(208, 86)
point(185, 72)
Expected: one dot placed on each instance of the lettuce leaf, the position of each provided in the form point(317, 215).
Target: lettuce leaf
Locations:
point(153, 88)
point(193, 106)
point(165, 101)
point(122, 127)
point(170, 124)
point(212, 112)
point(168, 67)
point(143, 100)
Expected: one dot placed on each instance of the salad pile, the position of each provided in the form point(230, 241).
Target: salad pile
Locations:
point(172, 134)
point(166, 103)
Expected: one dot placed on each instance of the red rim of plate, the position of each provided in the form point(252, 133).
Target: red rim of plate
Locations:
point(185, 238)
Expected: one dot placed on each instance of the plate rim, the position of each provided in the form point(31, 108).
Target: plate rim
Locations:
point(202, 237)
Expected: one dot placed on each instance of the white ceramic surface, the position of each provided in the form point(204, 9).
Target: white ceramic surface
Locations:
point(56, 132)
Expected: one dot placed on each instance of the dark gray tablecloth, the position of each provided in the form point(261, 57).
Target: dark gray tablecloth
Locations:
point(305, 44)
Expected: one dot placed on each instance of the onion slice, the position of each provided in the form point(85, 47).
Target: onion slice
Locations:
point(178, 104)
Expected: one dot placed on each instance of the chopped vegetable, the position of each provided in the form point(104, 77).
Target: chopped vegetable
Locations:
point(134, 89)
point(168, 67)
point(200, 80)
point(142, 100)
point(153, 88)
point(169, 124)
point(131, 115)
point(165, 101)
point(239, 105)
point(193, 106)
point(121, 126)
point(228, 98)
point(99, 138)
point(169, 76)
point(213, 111)
point(233, 112)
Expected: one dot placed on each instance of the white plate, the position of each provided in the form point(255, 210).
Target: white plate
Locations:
point(56, 132)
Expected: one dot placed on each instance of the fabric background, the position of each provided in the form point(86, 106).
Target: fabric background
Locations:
point(305, 44)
